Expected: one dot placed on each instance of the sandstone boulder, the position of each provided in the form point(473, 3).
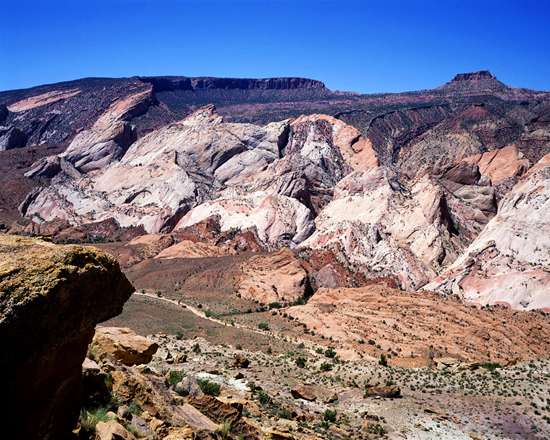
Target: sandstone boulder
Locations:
point(51, 298)
point(275, 434)
point(240, 361)
point(125, 345)
point(180, 434)
point(301, 392)
point(112, 430)
point(391, 391)
point(94, 387)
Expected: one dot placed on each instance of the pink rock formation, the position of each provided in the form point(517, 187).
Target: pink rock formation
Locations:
point(500, 164)
point(508, 263)
point(278, 277)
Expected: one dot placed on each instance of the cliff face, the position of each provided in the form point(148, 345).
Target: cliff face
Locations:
point(51, 298)
point(170, 83)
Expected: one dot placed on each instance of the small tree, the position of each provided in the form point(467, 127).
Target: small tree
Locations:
point(329, 415)
point(383, 360)
point(330, 353)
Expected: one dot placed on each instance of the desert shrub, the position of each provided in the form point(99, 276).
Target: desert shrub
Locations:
point(491, 366)
point(330, 353)
point(225, 428)
point(134, 408)
point(89, 419)
point(284, 413)
point(196, 348)
point(329, 415)
point(264, 398)
point(300, 362)
point(383, 360)
point(175, 377)
point(210, 388)
point(263, 326)
point(325, 366)
point(93, 352)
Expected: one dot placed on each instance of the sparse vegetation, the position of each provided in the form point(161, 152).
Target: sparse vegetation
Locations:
point(208, 387)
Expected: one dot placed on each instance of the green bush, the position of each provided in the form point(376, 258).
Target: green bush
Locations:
point(383, 360)
point(491, 366)
point(329, 415)
point(300, 362)
point(263, 326)
point(284, 413)
point(210, 388)
point(330, 353)
point(325, 366)
point(225, 429)
point(175, 377)
point(134, 408)
point(264, 398)
point(89, 419)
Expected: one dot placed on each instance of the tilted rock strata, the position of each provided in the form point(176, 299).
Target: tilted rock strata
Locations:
point(500, 164)
point(381, 223)
point(191, 249)
point(508, 263)
point(421, 324)
point(279, 220)
point(163, 174)
point(278, 277)
point(51, 298)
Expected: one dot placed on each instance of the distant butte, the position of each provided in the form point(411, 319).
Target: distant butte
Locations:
point(481, 74)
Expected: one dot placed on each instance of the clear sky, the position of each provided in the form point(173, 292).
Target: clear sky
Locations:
point(365, 46)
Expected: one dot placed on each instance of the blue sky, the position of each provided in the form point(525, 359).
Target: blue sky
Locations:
point(367, 46)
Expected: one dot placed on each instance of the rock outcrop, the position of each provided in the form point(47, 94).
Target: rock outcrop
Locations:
point(51, 298)
point(93, 150)
point(279, 277)
point(12, 137)
point(124, 345)
point(386, 226)
point(501, 164)
point(164, 174)
point(508, 263)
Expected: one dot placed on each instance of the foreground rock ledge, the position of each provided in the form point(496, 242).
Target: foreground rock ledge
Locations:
point(51, 298)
